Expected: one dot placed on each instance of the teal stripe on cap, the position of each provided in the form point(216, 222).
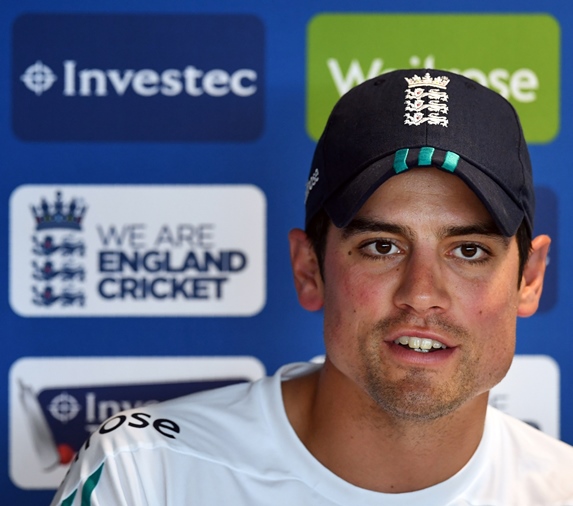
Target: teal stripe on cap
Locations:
point(450, 161)
point(400, 160)
point(425, 156)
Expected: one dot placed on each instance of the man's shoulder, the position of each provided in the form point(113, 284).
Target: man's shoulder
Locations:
point(191, 435)
point(239, 429)
point(193, 423)
point(214, 422)
point(529, 462)
point(530, 441)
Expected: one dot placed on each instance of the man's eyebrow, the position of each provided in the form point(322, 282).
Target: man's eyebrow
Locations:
point(365, 225)
point(488, 229)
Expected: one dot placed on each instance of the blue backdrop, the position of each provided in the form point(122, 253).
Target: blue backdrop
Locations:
point(200, 93)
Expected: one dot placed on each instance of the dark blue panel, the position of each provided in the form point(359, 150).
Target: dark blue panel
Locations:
point(138, 77)
point(547, 222)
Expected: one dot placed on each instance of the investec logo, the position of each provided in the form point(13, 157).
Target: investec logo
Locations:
point(88, 82)
point(498, 51)
point(138, 77)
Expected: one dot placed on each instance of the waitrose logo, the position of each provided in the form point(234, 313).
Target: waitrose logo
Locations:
point(502, 52)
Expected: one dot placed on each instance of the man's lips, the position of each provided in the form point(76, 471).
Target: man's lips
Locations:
point(419, 353)
point(422, 345)
point(414, 338)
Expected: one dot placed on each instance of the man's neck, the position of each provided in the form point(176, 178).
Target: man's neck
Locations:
point(350, 435)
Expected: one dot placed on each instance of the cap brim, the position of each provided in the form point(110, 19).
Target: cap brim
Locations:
point(344, 204)
point(506, 213)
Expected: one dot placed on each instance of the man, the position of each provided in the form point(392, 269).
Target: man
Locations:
point(418, 247)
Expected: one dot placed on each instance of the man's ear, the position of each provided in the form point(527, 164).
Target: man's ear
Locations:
point(533, 274)
point(306, 271)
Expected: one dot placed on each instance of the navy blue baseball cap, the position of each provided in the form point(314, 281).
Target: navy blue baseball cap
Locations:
point(422, 118)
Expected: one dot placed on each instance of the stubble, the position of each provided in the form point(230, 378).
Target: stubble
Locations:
point(416, 393)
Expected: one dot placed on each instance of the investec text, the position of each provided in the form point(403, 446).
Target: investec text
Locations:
point(147, 82)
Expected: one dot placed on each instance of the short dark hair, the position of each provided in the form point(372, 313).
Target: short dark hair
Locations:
point(317, 231)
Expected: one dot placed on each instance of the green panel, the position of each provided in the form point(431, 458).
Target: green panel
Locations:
point(517, 55)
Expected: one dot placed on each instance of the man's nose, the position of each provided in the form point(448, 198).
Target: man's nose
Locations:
point(422, 287)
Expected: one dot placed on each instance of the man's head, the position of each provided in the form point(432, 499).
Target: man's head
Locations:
point(427, 181)
point(393, 122)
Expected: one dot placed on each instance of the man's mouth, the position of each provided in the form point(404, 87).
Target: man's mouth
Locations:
point(420, 344)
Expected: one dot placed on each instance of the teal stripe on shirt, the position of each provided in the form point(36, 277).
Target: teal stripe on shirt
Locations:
point(70, 499)
point(90, 485)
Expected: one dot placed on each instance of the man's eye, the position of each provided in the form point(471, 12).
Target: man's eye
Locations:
point(381, 248)
point(469, 252)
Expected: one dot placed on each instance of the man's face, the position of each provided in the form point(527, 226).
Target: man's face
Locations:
point(421, 264)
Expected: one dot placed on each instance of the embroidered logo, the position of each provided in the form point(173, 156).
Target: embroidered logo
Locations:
point(425, 100)
point(312, 180)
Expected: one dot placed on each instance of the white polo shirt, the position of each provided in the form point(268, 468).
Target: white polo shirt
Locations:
point(235, 446)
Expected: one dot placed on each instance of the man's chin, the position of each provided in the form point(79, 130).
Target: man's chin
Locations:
point(416, 400)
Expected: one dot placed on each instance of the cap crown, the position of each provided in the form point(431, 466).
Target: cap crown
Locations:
point(413, 110)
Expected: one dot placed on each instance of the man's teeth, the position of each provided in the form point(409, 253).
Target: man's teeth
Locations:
point(420, 344)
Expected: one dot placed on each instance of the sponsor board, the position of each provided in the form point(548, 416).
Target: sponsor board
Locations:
point(531, 392)
point(138, 77)
point(502, 52)
point(55, 403)
point(83, 250)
